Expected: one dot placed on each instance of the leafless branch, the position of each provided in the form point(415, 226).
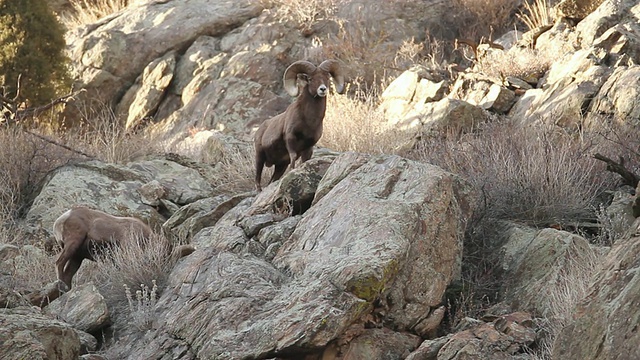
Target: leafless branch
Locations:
point(628, 177)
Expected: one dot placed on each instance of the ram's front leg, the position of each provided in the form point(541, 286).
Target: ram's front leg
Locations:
point(306, 154)
point(291, 144)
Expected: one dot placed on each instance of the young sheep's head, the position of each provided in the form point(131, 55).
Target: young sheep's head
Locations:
point(316, 79)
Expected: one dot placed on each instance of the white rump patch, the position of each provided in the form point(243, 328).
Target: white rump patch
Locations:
point(58, 227)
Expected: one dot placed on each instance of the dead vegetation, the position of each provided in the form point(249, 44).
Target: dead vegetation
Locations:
point(538, 176)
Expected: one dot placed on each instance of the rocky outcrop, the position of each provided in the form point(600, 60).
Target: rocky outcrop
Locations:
point(379, 247)
point(106, 64)
point(149, 189)
point(592, 82)
point(181, 64)
point(83, 307)
point(588, 79)
point(538, 264)
point(27, 334)
point(605, 325)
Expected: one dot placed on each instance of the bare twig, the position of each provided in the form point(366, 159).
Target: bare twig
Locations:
point(13, 115)
point(628, 177)
point(17, 115)
point(80, 152)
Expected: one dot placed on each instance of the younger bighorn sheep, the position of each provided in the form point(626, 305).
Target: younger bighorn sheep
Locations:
point(83, 232)
point(286, 137)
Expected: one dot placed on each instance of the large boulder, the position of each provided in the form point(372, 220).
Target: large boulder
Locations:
point(379, 247)
point(123, 190)
point(83, 307)
point(27, 334)
point(538, 264)
point(219, 65)
point(619, 97)
point(605, 323)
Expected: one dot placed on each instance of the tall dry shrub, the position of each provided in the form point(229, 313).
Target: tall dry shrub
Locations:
point(355, 123)
point(564, 295)
point(540, 176)
point(106, 139)
point(536, 13)
point(474, 19)
point(136, 264)
point(25, 160)
point(85, 12)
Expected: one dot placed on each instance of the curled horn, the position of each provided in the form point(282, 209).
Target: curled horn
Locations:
point(333, 67)
point(291, 74)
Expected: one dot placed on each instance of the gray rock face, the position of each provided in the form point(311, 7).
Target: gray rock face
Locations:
point(619, 97)
point(118, 189)
point(387, 236)
point(83, 307)
point(609, 14)
point(537, 262)
point(27, 334)
point(605, 325)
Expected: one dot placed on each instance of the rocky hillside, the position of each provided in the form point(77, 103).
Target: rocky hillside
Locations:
point(351, 255)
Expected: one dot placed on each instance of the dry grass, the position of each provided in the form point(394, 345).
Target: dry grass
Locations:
point(354, 123)
point(539, 176)
point(359, 42)
point(25, 159)
point(475, 19)
point(31, 268)
point(89, 11)
point(136, 264)
point(565, 294)
point(104, 137)
point(537, 13)
point(303, 12)
point(236, 172)
point(517, 62)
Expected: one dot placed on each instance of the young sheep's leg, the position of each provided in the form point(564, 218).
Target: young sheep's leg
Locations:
point(70, 270)
point(278, 171)
point(65, 258)
point(260, 160)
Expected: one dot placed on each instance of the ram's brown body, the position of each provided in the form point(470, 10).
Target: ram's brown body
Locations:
point(290, 136)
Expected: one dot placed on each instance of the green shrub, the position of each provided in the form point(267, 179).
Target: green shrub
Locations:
point(33, 50)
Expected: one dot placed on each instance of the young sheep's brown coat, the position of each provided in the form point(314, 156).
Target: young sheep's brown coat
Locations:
point(82, 231)
point(287, 137)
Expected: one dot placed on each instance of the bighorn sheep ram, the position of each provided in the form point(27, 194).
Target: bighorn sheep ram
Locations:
point(291, 135)
point(82, 232)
